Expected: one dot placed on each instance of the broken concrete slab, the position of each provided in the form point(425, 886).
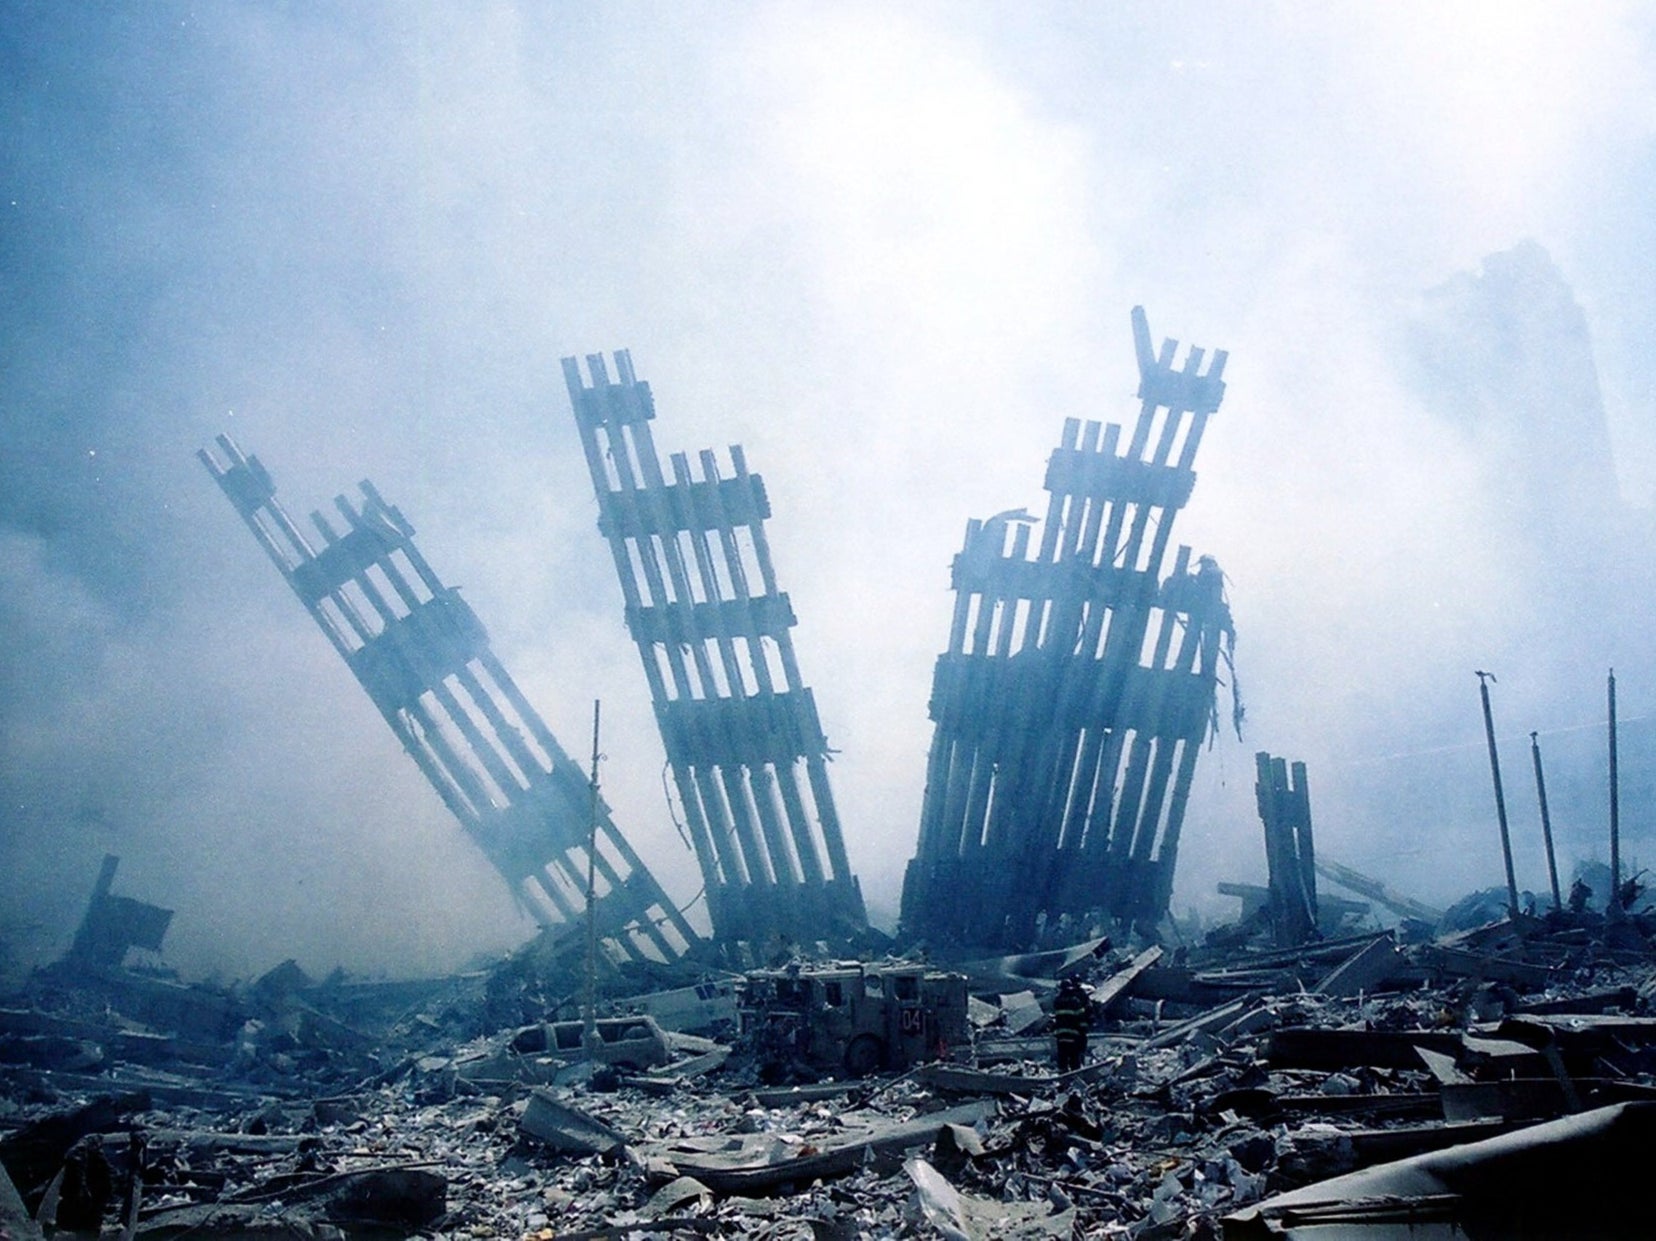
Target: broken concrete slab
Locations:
point(747, 1165)
point(564, 1127)
point(1451, 962)
point(994, 974)
point(960, 1080)
point(1529, 1099)
point(1205, 1023)
point(401, 1198)
point(1121, 982)
point(1022, 1011)
point(674, 1196)
point(1372, 964)
point(1306, 1047)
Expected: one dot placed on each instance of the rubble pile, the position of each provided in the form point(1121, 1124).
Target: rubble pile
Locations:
point(1219, 1082)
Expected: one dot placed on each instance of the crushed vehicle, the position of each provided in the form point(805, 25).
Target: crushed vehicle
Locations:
point(544, 1051)
point(708, 1007)
point(853, 1018)
point(634, 1042)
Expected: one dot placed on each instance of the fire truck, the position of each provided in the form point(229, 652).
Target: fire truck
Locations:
point(851, 1018)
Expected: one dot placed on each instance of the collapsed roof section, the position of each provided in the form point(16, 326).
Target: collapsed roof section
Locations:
point(423, 657)
point(743, 740)
point(1077, 687)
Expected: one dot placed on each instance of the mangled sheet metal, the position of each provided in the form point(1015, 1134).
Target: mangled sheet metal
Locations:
point(1077, 687)
point(1575, 1177)
point(760, 1163)
point(422, 655)
point(743, 740)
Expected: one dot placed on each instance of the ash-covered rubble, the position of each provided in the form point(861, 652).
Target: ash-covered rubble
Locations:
point(1224, 1085)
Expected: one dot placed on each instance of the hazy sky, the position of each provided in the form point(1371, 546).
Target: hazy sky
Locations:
point(888, 248)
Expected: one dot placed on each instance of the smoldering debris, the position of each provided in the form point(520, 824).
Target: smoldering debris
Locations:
point(1236, 1088)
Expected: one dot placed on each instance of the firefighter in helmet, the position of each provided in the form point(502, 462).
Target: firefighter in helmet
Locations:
point(1071, 1012)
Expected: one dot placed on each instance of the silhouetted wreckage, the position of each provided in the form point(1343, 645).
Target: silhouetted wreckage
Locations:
point(114, 925)
point(744, 744)
point(423, 657)
point(1078, 686)
point(1284, 798)
point(1289, 903)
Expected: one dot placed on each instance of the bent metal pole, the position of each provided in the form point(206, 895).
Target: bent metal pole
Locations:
point(1484, 678)
point(1546, 821)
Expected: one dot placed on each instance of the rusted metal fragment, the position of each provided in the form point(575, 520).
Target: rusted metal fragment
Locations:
point(566, 1128)
point(1120, 984)
point(1364, 969)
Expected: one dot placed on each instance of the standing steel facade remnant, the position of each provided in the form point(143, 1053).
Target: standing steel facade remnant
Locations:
point(743, 740)
point(423, 656)
point(1077, 688)
point(1284, 797)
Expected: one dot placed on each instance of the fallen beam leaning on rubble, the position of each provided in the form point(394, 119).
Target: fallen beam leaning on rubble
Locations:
point(1379, 893)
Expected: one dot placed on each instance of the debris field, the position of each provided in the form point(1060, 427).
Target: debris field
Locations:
point(1220, 1084)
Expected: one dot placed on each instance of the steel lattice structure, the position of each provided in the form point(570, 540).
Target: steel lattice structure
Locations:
point(1077, 687)
point(743, 739)
point(423, 657)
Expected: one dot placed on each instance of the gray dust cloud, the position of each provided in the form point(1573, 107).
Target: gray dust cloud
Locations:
point(886, 248)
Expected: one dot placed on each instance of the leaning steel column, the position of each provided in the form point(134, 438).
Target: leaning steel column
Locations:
point(744, 744)
point(424, 659)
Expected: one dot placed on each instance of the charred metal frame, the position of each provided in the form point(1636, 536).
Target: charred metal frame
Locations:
point(743, 739)
point(422, 655)
point(1077, 687)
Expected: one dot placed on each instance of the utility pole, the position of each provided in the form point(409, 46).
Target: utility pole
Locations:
point(589, 1031)
point(1546, 821)
point(1484, 678)
point(1614, 906)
